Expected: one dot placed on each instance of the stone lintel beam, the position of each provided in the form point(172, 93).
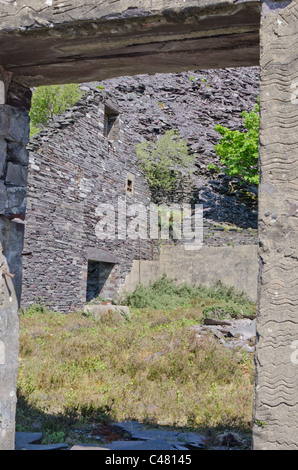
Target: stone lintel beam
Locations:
point(46, 42)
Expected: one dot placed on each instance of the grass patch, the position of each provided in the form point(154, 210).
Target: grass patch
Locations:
point(75, 371)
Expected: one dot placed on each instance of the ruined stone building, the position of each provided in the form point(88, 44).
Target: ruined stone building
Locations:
point(86, 159)
point(79, 163)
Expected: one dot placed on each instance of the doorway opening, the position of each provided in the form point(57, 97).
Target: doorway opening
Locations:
point(99, 282)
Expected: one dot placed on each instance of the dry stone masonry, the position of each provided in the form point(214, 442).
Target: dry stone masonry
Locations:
point(76, 172)
point(14, 134)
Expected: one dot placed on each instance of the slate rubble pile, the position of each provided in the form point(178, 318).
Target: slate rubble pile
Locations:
point(141, 437)
point(152, 438)
point(232, 334)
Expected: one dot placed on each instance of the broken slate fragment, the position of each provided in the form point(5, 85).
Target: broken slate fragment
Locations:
point(31, 441)
point(154, 444)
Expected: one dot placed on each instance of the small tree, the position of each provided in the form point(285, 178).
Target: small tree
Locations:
point(50, 101)
point(162, 160)
point(239, 151)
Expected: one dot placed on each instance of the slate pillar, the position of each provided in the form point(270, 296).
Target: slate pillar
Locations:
point(14, 133)
point(276, 391)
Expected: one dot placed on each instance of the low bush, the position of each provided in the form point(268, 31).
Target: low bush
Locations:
point(164, 293)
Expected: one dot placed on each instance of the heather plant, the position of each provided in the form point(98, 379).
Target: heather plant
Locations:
point(76, 372)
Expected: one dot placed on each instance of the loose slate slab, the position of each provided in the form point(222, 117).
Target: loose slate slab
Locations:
point(175, 439)
point(46, 447)
point(152, 444)
point(245, 330)
point(30, 441)
point(23, 439)
point(129, 426)
point(87, 447)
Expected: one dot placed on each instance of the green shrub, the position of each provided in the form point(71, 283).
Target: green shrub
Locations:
point(161, 294)
point(164, 293)
point(228, 311)
point(239, 151)
point(35, 308)
point(164, 159)
point(50, 101)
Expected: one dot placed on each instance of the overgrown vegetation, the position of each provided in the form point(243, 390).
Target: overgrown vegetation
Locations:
point(239, 151)
point(164, 293)
point(77, 373)
point(164, 159)
point(50, 101)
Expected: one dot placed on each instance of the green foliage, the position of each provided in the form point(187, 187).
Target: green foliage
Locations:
point(228, 311)
point(50, 101)
point(239, 151)
point(218, 301)
point(161, 294)
point(35, 308)
point(163, 160)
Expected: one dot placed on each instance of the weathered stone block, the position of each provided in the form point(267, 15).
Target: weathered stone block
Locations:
point(17, 154)
point(11, 244)
point(16, 200)
point(19, 96)
point(16, 174)
point(3, 197)
point(276, 405)
point(2, 92)
point(3, 150)
point(99, 311)
point(14, 125)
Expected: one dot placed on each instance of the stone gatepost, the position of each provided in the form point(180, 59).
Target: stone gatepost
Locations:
point(14, 133)
point(276, 394)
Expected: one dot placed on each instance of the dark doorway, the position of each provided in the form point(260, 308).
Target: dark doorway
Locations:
point(98, 280)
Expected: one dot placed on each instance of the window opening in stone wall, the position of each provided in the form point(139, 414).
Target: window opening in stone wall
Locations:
point(111, 124)
point(130, 182)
